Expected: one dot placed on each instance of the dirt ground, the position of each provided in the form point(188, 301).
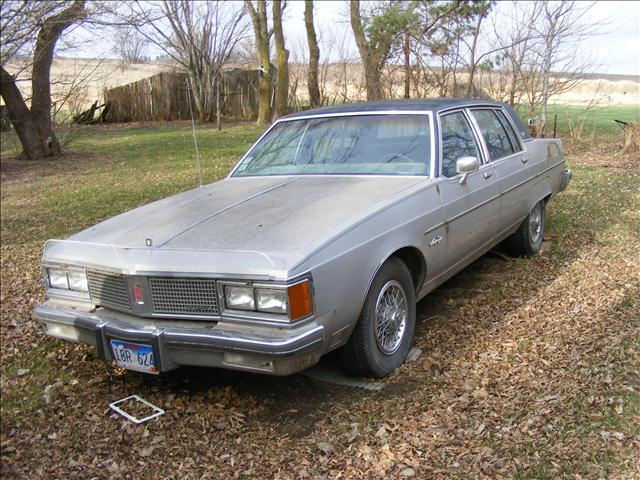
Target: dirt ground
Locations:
point(529, 369)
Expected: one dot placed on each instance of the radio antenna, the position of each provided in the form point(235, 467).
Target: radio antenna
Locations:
point(193, 130)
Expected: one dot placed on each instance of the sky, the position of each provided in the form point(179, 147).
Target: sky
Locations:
point(616, 50)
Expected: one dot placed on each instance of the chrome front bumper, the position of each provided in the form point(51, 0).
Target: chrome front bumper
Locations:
point(275, 351)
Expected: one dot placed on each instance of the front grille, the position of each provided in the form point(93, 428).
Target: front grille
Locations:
point(184, 296)
point(108, 290)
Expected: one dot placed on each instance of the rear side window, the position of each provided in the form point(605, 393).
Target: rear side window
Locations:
point(510, 131)
point(494, 134)
point(457, 142)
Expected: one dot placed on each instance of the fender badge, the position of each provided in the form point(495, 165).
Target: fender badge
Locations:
point(435, 241)
point(149, 242)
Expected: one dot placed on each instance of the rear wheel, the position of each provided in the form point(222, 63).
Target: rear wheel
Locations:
point(383, 335)
point(528, 238)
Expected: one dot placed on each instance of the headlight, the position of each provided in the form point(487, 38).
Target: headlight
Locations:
point(272, 301)
point(240, 298)
point(78, 280)
point(294, 302)
point(58, 278)
point(72, 279)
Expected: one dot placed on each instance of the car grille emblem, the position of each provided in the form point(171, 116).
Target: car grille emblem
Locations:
point(137, 293)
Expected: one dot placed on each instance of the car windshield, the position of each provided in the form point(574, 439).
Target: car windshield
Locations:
point(389, 144)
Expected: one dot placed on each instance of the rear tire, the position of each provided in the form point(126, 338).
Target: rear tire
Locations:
point(528, 238)
point(383, 335)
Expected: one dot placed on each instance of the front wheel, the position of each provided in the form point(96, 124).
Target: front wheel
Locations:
point(383, 335)
point(528, 238)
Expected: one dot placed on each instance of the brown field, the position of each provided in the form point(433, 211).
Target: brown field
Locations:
point(340, 83)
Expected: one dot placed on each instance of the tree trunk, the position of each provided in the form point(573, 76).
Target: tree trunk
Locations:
point(314, 55)
point(20, 116)
point(407, 66)
point(282, 61)
point(472, 61)
point(34, 126)
point(369, 62)
point(552, 18)
point(373, 81)
point(259, 20)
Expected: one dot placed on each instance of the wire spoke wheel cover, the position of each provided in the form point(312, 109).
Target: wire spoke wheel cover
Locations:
point(535, 222)
point(391, 315)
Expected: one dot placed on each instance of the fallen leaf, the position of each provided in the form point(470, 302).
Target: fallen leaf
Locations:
point(147, 452)
point(325, 447)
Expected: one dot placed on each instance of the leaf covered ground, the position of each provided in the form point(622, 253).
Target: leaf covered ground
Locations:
point(530, 368)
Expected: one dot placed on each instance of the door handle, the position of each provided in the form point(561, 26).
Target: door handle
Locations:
point(487, 175)
point(524, 160)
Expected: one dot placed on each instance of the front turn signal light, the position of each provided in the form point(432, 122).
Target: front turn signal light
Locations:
point(300, 304)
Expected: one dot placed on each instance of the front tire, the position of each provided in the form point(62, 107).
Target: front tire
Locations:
point(528, 238)
point(383, 335)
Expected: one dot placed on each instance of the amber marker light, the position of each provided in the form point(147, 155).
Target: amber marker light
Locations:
point(299, 300)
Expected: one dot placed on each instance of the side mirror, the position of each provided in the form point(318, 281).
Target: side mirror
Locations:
point(465, 166)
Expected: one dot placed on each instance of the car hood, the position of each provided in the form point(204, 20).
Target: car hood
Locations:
point(276, 219)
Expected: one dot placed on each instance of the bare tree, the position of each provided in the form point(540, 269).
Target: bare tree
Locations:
point(481, 10)
point(40, 24)
point(516, 41)
point(130, 44)
point(314, 55)
point(282, 61)
point(262, 36)
point(199, 36)
point(562, 25)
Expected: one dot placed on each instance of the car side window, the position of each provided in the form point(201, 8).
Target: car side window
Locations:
point(457, 142)
point(517, 146)
point(494, 134)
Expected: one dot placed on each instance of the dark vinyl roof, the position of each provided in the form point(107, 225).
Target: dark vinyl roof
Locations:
point(422, 104)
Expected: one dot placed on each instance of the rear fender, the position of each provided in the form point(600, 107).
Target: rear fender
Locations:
point(540, 191)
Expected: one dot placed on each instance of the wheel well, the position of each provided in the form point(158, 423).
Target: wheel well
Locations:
point(414, 260)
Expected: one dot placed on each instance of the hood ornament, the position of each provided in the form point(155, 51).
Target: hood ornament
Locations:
point(149, 242)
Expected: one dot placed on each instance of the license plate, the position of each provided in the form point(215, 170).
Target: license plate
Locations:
point(134, 356)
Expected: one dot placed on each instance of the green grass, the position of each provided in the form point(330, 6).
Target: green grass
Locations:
point(114, 170)
point(583, 122)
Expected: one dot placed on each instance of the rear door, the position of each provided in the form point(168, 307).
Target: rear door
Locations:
point(471, 210)
point(510, 160)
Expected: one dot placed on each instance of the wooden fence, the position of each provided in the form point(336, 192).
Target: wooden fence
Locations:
point(166, 96)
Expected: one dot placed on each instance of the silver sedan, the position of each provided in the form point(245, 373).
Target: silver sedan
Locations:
point(322, 237)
